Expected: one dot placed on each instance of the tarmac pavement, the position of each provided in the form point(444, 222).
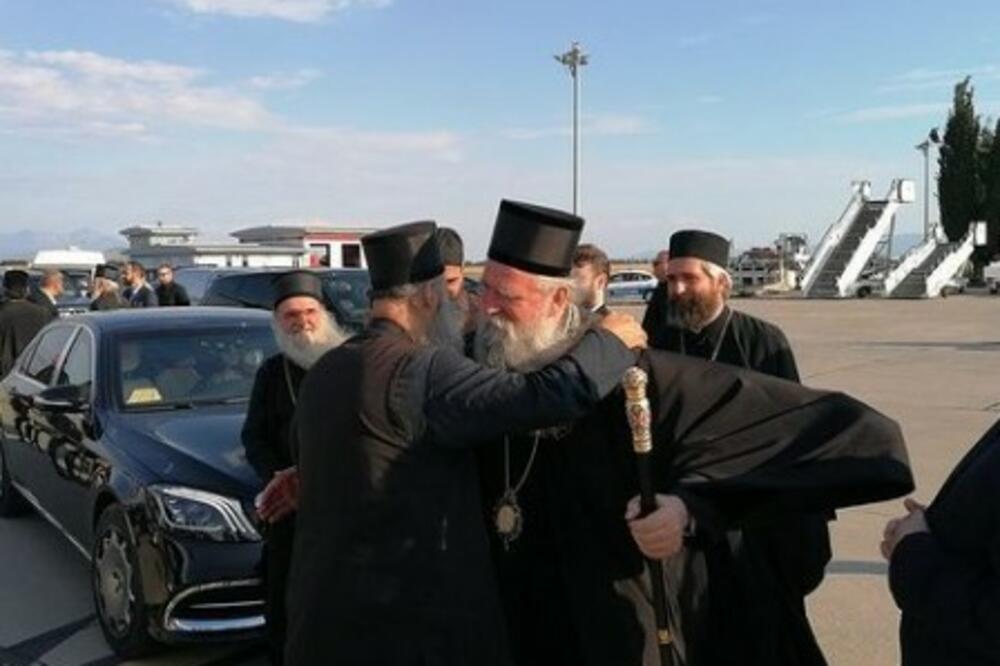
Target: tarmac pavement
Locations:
point(932, 365)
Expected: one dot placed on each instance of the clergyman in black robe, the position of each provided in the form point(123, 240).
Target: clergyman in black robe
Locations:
point(741, 448)
point(774, 566)
point(305, 331)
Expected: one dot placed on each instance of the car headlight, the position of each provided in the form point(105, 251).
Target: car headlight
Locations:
point(203, 513)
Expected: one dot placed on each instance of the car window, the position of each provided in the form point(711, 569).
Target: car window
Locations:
point(158, 369)
point(195, 281)
point(76, 369)
point(347, 293)
point(43, 362)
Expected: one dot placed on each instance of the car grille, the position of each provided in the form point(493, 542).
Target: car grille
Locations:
point(217, 607)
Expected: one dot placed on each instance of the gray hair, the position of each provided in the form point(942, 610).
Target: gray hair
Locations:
point(717, 272)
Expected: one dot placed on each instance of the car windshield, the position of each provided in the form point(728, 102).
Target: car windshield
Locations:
point(196, 366)
point(348, 292)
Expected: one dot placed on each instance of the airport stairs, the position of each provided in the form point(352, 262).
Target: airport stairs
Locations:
point(851, 241)
point(926, 270)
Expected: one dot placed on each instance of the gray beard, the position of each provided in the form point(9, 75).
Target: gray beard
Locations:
point(498, 344)
point(305, 350)
point(693, 314)
point(446, 328)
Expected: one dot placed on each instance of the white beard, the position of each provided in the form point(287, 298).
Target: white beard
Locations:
point(501, 344)
point(303, 348)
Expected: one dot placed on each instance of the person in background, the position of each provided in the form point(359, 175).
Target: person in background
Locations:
point(305, 331)
point(138, 294)
point(591, 271)
point(944, 565)
point(104, 291)
point(20, 320)
point(658, 310)
point(452, 251)
point(168, 292)
point(50, 288)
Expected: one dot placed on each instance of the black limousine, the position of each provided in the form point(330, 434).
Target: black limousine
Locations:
point(122, 429)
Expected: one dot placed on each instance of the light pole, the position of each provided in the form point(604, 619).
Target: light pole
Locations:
point(574, 59)
point(925, 148)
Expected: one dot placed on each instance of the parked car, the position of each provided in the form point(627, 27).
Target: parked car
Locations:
point(345, 289)
point(631, 286)
point(122, 429)
point(195, 279)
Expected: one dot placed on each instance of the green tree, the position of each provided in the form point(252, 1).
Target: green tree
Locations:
point(960, 190)
point(990, 177)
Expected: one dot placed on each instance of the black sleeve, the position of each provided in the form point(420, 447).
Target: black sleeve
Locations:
point(961, 603)
point(468, 403)
point(149, 299)
point(255, 438)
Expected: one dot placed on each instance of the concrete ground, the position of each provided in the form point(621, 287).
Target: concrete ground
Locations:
point(932, 365)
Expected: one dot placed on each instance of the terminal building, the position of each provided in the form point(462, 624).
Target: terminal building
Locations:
point(255, 247)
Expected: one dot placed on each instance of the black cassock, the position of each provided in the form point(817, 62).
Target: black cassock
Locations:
point(742, 448)
point(20, 321)
point(947, 582)
point(776, 566)
point(266, 434)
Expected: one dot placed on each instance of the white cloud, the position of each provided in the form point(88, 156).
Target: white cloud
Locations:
point(299, 11)
point(286, 81)
point(604, 124)
point(96, 66)
point(41, 89)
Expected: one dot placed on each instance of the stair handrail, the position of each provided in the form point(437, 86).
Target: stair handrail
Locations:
point(834, 234)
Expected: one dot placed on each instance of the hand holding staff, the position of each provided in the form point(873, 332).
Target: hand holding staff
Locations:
point(639, 418)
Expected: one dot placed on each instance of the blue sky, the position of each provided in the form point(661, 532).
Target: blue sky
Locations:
point(746, 118)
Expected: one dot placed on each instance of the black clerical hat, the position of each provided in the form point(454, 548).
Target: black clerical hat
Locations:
point(450, 246)
point(107, 271)
point(700, 245)
point(404, 254)
point(297, 283)
point(535, 239)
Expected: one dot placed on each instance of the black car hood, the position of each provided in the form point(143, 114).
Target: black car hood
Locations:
point(198, 448)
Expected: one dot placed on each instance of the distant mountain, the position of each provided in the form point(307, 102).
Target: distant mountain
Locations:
point(23, 244)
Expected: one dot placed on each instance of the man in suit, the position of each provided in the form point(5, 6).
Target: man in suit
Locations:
point(139, 294)
point(50, 288)
point(591, 272)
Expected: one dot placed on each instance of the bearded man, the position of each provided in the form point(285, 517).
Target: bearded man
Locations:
point(778, 566)
point(731, 448)
point(390, 563)
point(104, 289)
point(305, 331)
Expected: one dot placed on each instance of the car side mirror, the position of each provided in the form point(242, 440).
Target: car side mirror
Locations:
point(62, 399)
